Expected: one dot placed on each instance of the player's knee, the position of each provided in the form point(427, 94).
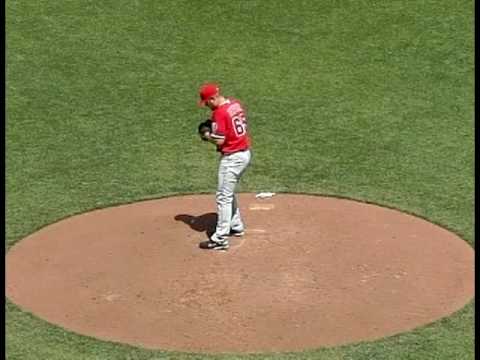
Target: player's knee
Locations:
point(224, 196)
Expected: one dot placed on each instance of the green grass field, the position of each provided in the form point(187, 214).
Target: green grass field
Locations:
point(372, 100)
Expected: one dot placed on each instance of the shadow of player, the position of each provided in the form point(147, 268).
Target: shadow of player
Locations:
point(206, 222)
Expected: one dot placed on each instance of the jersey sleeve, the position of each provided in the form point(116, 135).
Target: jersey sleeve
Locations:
point(219, 126)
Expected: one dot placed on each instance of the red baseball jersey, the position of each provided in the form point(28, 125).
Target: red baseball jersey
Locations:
point(229, 122)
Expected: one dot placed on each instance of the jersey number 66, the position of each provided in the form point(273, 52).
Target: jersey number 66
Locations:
point(239, 124)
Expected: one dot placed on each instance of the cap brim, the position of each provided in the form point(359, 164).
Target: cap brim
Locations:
point(202, 103)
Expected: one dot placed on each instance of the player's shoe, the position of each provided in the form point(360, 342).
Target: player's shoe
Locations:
point(215, 243)
point(237, 233)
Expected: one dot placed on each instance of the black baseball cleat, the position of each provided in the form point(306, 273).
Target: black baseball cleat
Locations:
point(213, 245)
point(236, 233)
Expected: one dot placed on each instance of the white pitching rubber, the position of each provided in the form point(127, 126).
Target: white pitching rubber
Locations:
point(264, 195)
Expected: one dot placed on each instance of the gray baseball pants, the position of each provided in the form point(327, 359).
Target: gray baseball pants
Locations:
point(230, 170)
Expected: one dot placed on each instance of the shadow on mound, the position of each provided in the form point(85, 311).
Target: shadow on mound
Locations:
point(206, 222)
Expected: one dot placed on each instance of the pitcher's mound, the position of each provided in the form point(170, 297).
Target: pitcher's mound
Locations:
point(310, 271)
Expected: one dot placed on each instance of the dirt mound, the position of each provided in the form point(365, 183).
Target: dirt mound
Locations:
point(310, 271)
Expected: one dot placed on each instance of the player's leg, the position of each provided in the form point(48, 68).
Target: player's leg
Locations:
point(241, 164)
point(224, 198)
point(236, 224)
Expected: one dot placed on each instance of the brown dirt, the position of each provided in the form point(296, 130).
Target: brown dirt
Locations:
point(311, 271)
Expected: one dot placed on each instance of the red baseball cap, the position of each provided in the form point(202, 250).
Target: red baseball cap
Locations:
point(207, 91)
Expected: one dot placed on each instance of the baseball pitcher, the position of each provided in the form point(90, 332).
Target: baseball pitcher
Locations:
point(227, 129)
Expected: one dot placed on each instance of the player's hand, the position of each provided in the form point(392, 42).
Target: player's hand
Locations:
point(205, 136)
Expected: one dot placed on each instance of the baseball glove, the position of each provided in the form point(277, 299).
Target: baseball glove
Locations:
point(203, 127)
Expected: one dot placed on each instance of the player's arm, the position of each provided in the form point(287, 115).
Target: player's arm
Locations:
point(214, 138)
point(208, 131)
point(217, 136)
